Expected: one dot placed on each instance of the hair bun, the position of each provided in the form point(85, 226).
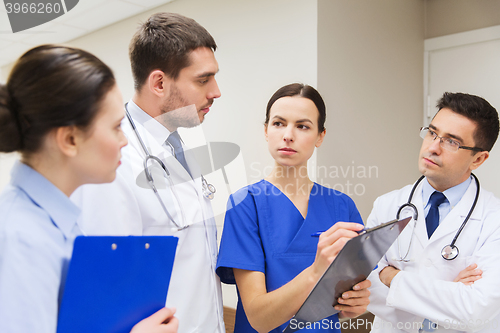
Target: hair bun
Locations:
point(10, 131)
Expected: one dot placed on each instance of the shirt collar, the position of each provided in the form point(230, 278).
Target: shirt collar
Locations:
point(453, 194)
point(63, 212)
point(159, 132)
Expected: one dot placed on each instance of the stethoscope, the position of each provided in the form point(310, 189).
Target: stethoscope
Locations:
point(208, 189)
point(449, 252)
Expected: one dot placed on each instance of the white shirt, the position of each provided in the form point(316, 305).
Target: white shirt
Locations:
point(128, 206)
point(453, 196)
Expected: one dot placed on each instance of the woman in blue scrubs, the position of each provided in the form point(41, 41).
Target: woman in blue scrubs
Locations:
point(61, 109)
point(267, 245)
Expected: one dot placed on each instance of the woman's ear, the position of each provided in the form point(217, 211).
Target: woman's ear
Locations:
point(321, 138)
point(265, 132)
point(66, 138)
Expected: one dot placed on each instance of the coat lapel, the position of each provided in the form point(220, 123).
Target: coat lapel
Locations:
point(420, 227)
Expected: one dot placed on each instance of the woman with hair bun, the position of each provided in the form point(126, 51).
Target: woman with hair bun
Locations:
point(270, 246)
point(61, 110)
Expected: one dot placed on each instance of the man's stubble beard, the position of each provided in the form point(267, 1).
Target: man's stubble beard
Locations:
point(176, 112)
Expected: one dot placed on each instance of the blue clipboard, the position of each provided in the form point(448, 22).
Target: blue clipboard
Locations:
point(114, 282)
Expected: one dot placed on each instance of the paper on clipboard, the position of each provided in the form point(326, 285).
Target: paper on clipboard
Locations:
point(114, 282)
point(359, 256)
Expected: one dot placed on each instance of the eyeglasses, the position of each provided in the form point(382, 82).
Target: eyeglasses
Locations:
point(446, 143)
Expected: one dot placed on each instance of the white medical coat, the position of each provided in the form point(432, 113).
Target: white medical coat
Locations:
point(424, 288)
point(128, 206)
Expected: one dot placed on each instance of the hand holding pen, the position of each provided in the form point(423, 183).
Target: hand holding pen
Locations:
point(354, 302)
point(360, 232)
point(331, 242)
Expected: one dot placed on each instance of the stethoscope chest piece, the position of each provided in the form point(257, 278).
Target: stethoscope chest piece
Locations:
point(211, 188)
point(449, 252)
point(208, 189)
point(208, 194)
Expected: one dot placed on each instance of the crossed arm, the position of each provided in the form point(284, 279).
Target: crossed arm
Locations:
point(468, 276)
point(472, 297)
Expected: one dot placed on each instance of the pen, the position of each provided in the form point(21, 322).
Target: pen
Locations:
point(318, 233)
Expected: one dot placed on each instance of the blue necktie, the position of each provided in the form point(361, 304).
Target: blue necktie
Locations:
point(432, 219)
point(432, 222)
point(175, 140)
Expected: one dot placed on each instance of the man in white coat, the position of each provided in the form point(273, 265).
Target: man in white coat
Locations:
point(174, 69)
point(414, 288)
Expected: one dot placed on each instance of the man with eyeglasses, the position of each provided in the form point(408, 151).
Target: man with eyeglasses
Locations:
point(423, 284)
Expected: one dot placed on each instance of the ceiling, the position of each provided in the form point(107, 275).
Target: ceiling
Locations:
point(87, 16)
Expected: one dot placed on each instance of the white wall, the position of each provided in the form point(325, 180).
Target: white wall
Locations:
point(467, 62)
point(6, 163)
point(445, 17)
point(370, 73)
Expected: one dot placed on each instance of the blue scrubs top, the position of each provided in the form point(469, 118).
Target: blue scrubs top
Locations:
point(265, 232)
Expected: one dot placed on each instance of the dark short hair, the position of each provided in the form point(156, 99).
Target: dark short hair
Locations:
point(50, 86)
point(302, 90)
point(164, 42)
point(479, 111)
